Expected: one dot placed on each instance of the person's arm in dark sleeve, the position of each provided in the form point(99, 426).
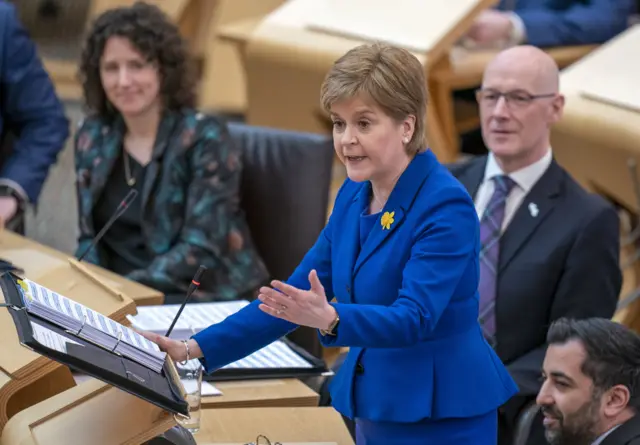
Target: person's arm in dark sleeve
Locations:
point(31, 111)
point(584, 23)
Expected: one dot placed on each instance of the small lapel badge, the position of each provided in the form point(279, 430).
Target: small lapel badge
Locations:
point(533, 209)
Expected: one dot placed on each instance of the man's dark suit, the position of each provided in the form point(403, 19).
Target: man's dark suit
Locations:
point(626, 434)
point(563, 262)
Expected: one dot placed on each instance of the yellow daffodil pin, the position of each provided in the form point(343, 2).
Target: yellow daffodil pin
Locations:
point(387, 220)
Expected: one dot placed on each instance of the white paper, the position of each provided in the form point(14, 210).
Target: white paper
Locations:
point(50, 339)
point(198, 316)
point(90, 325)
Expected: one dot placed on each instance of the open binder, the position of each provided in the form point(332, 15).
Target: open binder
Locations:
point(162, 389)
point(280, 359)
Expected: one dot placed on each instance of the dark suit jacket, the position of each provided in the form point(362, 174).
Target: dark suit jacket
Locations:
point(190, 204)
point(562, 263)
point(30, 112)
point(626, 434)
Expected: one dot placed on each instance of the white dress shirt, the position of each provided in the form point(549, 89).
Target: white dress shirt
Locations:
point(600, 439)
point(525, 179)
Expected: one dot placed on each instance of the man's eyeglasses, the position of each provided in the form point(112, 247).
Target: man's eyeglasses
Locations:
point(516, 99)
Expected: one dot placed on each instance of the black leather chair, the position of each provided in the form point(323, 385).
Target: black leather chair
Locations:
point(285, 194)
point(525, 423)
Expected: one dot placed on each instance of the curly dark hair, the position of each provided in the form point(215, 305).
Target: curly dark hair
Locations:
point(153, 34)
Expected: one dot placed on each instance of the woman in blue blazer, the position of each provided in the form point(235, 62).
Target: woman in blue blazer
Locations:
point(400, 256)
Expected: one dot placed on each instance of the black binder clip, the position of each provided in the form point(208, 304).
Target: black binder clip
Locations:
point(77, 334)
point(12, 306)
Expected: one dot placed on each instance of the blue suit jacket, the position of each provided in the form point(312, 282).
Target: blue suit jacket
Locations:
point(407, 301)
point(29, 110)
point(571, 22)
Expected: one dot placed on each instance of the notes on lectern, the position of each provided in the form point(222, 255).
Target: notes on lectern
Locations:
point(199, 316)
point(90, 325)
point(52, 340)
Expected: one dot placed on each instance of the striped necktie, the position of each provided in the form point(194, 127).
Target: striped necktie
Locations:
point(490, 232)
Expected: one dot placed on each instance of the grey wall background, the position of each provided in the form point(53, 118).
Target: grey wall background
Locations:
point(55, 220)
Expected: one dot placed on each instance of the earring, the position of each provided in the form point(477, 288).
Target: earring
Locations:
point(406, 140)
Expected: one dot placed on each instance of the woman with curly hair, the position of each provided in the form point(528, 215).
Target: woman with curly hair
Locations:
point(143, 133)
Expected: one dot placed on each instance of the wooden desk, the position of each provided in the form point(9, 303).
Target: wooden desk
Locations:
point(286, 62)
point(241, 426)
point(26, 377)
point(281, 63)
point(262, 393)
point(599, 133)
point(46, 265)
point(223, 84)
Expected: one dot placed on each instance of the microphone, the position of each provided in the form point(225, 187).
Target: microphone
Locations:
point(122, 207)
point(195, 283)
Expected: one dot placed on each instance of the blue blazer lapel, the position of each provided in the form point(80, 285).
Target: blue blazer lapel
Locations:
point(399, 202)
point(349, 252)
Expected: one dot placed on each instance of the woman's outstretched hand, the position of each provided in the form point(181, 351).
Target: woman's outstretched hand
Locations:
point(174, 348)
point(302, 307)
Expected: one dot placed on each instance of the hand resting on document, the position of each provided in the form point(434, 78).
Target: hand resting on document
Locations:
point(174, 348)
point(302, 307)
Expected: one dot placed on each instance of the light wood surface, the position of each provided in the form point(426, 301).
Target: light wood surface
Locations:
point(286, 63)
point(283, 59)
point(99, 414)
point(52, 269)
point(302, 425)
point(223, 81)
point(609, 74)
point(262, 393)
point(419, 26)
point(91, 413)
point(596, 138)
point(26, 377)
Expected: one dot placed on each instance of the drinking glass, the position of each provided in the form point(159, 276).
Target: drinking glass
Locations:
point(191, 377)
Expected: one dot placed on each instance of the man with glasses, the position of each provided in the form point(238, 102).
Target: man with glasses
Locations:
point(549, 249)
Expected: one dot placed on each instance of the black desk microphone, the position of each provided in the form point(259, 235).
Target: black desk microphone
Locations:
point(122, 207)
point(195, 283)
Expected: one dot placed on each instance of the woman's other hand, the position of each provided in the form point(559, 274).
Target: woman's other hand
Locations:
point(174, 348)
point(302, 307)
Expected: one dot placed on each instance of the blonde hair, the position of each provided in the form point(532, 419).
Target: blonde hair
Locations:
point(392, 77)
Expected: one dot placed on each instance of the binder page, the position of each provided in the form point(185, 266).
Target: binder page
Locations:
point(50, 339)
point(67, 307)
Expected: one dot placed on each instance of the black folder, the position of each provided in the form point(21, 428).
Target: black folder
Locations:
point(317, 368)
point(160, 389)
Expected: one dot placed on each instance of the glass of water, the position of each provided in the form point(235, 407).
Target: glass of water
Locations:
point(191, 377)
